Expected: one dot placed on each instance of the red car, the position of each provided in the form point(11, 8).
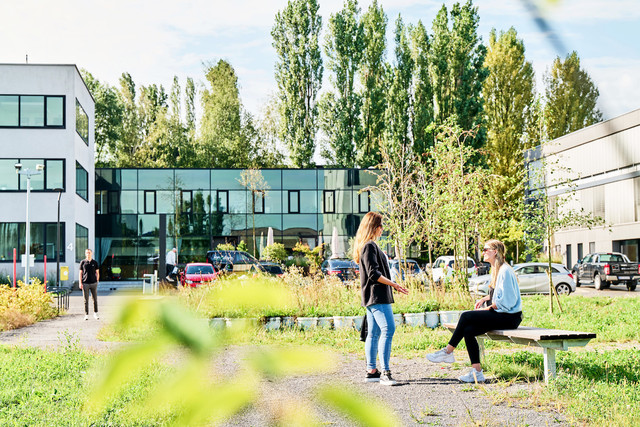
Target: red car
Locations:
point(197, 273)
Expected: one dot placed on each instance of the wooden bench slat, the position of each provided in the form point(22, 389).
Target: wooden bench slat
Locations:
point(536, 334)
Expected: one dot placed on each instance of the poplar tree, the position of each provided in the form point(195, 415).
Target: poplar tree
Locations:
point(340, 109)
point(508, 94)
point(398, 95)
point(373, 81)
point(221, 144)
point(130, 138)
point(422, 111)
point(571, 97)
point(299, 76)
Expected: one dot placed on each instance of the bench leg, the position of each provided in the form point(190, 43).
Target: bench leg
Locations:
point(481, 346)
point(549, 364)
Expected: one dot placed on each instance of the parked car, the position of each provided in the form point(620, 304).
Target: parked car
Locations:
point(483, 268)
point(233, 261)
point(410, 270)
point(532, 279)
point(604, 269)
point(443, 266)
point(197, 273)
point(272, 268)
point(345, 269)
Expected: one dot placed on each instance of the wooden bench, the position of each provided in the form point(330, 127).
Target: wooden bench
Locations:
point(549, 339)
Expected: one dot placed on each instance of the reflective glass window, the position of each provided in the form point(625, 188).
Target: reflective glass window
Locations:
point(129, 179)
point(186, 201)
point(32, 111)
point(192, 179)
point(258, 202)
point(193, 248)
point(128, 202)
point(273, 202)
point(54, 171)
point(55, 111)
point(192, 225)
point(149, 202)
point(363, 199)
point(167, 201)
point(51, 239)
point(263, 222)
point(8, 176)
point(309, 201)
point(8, 240)
point(156, 179)
point(226, 179)
point(229, 225)
point(8, 110)
point(237, 202)
point(294, 201)
point(299, 179)
point(365, 178)
point(200, 202)
point(82, 182)
point(273, 178)
point(82, 241)
point(37, 181)
point(299, 224)
point(222, 204)
point(148, 225)
point(333, 179)
point(82, 123)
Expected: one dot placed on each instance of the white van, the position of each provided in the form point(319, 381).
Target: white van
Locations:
point(443, 266)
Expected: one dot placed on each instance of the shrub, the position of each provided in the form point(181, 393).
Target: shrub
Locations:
point(242, 246)
point(225, 247)
point(275, 252)
point(24, 305)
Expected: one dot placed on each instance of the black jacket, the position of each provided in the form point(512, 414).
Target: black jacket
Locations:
point(373, 264)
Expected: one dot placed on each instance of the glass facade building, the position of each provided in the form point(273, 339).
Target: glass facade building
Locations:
point(206, 207)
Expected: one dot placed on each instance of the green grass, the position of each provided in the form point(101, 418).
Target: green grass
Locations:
point(48, 388)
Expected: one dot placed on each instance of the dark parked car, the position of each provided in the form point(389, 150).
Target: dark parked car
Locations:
point(483, 268)
point(345, 269)
point(604, 269)
point(272, 268)
point(233, 261)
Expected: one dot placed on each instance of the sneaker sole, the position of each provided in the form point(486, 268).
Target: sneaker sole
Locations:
point(389, 383)
point(439, 361)
point(372, 380)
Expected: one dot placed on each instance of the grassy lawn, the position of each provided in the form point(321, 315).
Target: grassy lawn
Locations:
point(594, 386)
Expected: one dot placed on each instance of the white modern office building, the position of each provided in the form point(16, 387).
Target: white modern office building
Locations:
point(46, 118)
point(603, 164)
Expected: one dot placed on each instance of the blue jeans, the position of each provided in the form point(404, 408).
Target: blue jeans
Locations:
point(380, 325)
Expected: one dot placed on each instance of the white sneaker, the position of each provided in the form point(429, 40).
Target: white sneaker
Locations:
point(386, 379)
point(441, 356)
point(473, 377)
point(95, 316)
point(86, 317)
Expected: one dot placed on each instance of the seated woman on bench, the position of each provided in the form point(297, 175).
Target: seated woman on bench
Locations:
point(503, 311)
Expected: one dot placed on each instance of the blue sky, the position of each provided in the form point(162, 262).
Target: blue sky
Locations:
point(155, 40)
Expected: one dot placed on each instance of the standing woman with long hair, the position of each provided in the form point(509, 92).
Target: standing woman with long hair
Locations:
point(503, 311)
point(377, 297)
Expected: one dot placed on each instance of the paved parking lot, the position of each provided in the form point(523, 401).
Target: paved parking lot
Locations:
point(613, 291)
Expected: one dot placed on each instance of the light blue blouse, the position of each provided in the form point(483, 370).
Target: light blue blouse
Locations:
point(506, 295)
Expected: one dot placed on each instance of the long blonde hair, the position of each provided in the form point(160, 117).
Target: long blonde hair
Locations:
point(498, 246)
point(366, 232)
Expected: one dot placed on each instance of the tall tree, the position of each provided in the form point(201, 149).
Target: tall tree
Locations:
point(399, 93)
point(190, 105)
point(341, 107)
point(571, 97)
point(508, 94)
point(456, 69)
point(108, 120)
point(221, 143)
point(299, 76)
point(130, 139)
point(372, 75)
point(422, 111)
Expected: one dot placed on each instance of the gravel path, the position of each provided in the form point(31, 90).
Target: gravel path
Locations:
point(426, 394)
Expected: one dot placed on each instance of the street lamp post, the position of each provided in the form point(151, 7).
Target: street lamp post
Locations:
point(28, 173)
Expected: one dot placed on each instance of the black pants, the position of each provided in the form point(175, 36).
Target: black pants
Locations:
point(477, 322)
point(93, 289)
point(170, 268)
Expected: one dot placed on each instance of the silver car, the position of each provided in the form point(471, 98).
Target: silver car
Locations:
point(532, 278)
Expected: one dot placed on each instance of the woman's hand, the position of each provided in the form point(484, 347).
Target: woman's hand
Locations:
point(481, 301)
point(400, 289)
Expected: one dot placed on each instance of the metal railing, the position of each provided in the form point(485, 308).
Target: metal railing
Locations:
point(62, 296)
point(150, 283)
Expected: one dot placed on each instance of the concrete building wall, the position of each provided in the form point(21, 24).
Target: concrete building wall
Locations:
point(48, 143)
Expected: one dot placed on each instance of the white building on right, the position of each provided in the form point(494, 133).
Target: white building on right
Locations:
point(604, 164)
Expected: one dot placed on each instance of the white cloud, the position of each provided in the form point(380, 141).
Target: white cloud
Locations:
point(617, 81)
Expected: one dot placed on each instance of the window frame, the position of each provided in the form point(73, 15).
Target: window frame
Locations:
point(258, 208)
point(324, 201)
point(45, 126)
point(360, 194)
point(226, 210)
point(87, 175)
point(291, 211)
point(86, 141)
point(155, 203)
point(53, 240)
point(45, 188)
point(189, 208)
point(78, 253)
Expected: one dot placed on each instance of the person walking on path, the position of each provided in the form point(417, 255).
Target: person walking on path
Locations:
point(89, 277)
point(171, 261)
point(503, 311)
point(377, 297)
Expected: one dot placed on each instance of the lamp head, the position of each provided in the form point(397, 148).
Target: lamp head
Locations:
point(18, 166)
point(40, 167)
